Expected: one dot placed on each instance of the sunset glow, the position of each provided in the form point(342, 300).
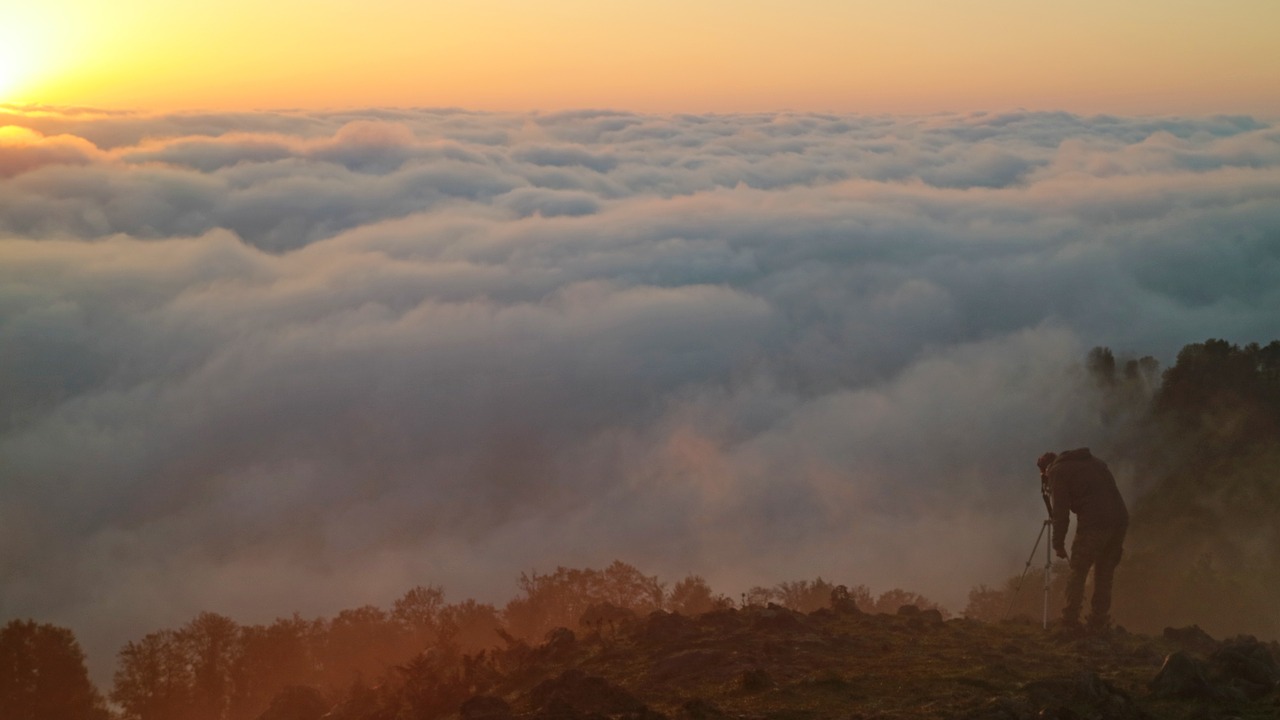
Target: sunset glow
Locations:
point(15, 62)
point(40, 49)
point(667, 56)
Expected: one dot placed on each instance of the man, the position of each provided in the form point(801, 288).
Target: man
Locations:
point(1081, 483)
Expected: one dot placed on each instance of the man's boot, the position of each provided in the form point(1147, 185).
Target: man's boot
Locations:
point(1099, 626)
point(1066, 630)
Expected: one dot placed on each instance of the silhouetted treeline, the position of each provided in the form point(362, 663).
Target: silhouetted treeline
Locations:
point(43, 676)
point(213, 669)
point(418, 659)
point(1202, 442)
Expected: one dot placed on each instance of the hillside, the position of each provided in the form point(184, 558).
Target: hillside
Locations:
point(770, 663)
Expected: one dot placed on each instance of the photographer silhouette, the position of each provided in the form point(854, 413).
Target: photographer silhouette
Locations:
point(1077, 482)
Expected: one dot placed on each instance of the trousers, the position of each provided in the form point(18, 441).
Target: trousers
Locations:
point(1098, 549)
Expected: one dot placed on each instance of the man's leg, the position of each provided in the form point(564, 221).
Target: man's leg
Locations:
point(1083, 555)
point(1075, 592)
point(1104, 572)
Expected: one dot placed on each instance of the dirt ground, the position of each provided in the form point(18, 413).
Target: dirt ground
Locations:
point(775, 664)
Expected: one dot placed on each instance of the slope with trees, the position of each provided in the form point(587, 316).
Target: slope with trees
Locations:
point(43, 675)
point(1202, 440)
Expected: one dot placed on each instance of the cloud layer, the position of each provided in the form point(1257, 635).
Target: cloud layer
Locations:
point(253, 363)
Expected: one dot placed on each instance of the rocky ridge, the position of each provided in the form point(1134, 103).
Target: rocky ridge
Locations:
point(771, 663)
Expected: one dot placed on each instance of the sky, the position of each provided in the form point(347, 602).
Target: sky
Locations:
point(305, 304)
point(912, 56)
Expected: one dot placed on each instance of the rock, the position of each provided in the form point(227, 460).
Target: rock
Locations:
point(918, 619)
point(485, 707)
point(1247, 663)
point(662, 627)
point(1147, 653)
point(823, 615)
point(585, 694)
point(932, 616)
point(1192, 638)
point(1245, 668)
point(1182, 676)
point(560, 642)
point(776, 618)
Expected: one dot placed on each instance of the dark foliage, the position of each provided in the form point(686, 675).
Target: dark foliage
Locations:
point(563, 597)
point(43, 676)
point(1205, 541)
point(214, 669)
point(1203, 449)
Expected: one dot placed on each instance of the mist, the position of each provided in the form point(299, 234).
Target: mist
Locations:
point(260, 363)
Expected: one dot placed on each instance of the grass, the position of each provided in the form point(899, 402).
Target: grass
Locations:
point(772, 664)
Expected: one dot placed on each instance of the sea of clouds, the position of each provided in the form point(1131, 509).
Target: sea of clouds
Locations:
point(256, 363)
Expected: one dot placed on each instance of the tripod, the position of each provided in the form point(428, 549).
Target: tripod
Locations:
point(1048, 558)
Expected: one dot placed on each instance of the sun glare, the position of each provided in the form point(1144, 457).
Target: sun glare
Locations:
point(36, 41)
point(16, 55)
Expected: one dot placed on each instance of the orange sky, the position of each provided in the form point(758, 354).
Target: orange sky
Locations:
point(1141, 56)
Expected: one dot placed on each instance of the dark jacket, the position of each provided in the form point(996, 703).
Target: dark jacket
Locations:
point(1082, 484)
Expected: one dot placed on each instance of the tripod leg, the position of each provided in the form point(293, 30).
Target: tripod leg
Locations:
point(1048, 573)
point(1030, 558)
